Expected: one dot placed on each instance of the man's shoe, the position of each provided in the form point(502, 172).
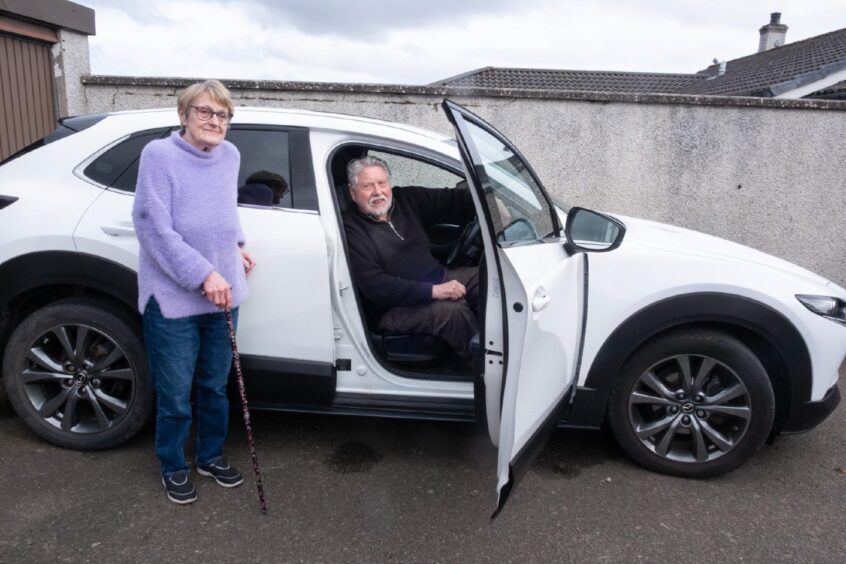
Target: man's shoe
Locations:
point(179, 488)
point(222, 472)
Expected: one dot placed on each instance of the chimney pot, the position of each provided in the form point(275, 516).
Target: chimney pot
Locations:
point(773, 34)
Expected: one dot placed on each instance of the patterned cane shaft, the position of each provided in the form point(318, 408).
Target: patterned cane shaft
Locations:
point(245, 410)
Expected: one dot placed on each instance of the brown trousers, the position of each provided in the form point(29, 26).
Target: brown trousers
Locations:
point(452, 320)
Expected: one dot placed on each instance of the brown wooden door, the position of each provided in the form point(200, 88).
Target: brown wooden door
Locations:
point(27, 99)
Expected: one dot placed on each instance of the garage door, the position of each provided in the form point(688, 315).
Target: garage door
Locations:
point(27, 103)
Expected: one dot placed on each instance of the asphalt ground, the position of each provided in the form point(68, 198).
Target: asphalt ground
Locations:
point(342, 489)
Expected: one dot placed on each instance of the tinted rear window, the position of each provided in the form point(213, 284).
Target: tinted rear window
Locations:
point(263, 150)
point(118, 167)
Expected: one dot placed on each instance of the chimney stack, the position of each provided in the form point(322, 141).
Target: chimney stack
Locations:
point(772, 34)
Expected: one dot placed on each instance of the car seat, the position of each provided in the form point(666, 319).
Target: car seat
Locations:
point(411, 350)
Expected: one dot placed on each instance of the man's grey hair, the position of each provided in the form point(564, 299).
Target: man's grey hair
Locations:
point(355, 166)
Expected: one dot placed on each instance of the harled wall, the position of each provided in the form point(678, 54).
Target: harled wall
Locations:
point(766, 173)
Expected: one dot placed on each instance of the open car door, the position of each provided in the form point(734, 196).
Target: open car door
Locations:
point(536, 294)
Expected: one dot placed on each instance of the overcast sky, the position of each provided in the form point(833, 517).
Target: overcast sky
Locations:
point(418, 42)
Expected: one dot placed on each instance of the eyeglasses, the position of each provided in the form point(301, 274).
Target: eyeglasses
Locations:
point(204, 113)
point(369, 186)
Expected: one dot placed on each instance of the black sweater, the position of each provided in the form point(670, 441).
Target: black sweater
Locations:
point(391, 261)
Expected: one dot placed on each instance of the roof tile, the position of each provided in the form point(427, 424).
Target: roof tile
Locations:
point(761, 74)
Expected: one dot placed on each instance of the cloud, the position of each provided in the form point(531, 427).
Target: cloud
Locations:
point(421, 42)
point(360, 19)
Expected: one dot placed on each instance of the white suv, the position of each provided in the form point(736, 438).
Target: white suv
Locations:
point(693, 349)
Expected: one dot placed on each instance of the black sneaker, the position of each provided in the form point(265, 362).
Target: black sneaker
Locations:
point(179, 488)
point(222, 472)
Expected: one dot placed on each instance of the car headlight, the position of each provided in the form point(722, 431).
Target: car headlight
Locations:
point(827, 306)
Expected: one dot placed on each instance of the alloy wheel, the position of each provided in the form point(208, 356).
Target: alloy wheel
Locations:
point(689, 408)
point(78, 379)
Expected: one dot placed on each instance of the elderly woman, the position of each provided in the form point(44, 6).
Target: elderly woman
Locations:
point(192, 268)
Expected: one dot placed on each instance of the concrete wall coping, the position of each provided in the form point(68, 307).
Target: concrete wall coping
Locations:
point(683, 99)
point(59, 13)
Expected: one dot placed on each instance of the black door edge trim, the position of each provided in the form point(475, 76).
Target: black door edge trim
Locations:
point(521, 463)
point(579, 355)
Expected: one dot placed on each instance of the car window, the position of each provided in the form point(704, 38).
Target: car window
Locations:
point(265, 161)
point(118, 166)
point(407, 171)
point(518, 207)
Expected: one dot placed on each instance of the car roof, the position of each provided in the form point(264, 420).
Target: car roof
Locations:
point(294, 117)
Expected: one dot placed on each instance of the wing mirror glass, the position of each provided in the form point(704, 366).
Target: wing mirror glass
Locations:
point(590, 231)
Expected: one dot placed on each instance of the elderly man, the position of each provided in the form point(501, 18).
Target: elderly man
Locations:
point(405, 288)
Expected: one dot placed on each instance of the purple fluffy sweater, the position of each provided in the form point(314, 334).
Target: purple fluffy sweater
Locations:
point(186, 220)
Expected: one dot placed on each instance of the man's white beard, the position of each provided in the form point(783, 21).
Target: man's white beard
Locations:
point(379, 207)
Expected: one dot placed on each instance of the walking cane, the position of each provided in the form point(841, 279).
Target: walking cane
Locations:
point(245, 410)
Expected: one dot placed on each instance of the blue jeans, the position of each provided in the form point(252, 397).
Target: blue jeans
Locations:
point(185, 352)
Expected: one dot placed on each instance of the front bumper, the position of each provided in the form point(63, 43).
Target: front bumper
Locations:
point(808, 415)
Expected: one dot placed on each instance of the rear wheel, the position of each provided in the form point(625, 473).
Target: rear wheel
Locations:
point(696, 403)
point(76, 373)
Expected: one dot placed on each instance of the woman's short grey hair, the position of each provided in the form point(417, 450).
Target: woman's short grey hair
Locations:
point(214, 88)
point(355, 166)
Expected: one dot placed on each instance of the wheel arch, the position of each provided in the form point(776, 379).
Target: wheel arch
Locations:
point(36, 279)
point(771, 337)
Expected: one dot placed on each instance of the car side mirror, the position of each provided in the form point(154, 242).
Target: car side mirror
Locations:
point(592, 232)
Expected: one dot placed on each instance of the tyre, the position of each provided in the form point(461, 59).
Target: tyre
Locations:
point(696, 403)
point(76, 373)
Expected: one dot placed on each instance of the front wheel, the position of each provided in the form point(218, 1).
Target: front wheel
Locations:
point(696, 403)
point(76, 373)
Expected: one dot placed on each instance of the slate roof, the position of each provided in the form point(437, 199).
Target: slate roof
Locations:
point(765, 74)
point(551, 79)
point(835, 91)
point(777, 70)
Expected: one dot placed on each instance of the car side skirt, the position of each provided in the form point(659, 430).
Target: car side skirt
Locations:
point(391, 407)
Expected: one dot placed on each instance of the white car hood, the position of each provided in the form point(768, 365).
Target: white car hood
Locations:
point(668, 238)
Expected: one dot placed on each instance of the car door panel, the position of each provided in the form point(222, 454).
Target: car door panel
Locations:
point(288, 312)
point(286, 316)
point(542, 298)
point(542, 356)
point(545, 268)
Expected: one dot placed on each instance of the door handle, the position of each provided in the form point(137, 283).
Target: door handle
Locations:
point(116, 230)
point(541, 299)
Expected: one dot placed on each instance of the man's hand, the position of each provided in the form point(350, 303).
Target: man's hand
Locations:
point(249, 263)
point(449, 290)
point(217, 291)
point(504, 214)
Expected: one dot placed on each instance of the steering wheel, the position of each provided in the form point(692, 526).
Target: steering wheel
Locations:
point(469, 240)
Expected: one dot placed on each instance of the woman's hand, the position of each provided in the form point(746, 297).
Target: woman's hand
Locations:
point(217, 291)
point(249, 263)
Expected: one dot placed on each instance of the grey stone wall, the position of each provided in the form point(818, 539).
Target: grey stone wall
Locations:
point(71, 63)
point(765, 173)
